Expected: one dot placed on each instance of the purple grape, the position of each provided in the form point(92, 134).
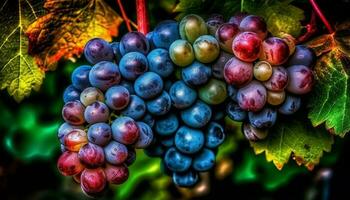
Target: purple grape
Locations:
point(100, 134)
point(96, 112)
point(301, 79)
point(275, 51)
point(73, 112)
point(117, 97)
point(237, 72)
point(278, 81)
point(97, 50)
point(263, 119)
point(64, 129)
point(132, 65)
point(145, 137)
point(115, 153)
point(253, 134)
point(116, 174)
point(237, 18)
point(125, 130)
point(131, 157)
point(254, 24)
point(128, 85)
point(91, 155)
point(235, 112)
point(71, 94)
point(225, 35)
point(104, 74)
point(213, 23)
point(134, 42)
point(80, 77)
point(291, 105)
point(218, 66)
point(136, 108)
point(252, 97)
point(116, 51)
point(303, 55)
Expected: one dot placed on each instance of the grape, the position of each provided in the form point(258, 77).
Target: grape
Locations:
point(80, 77)
point(235, 112)
point(125, 130)
point(91, 155)
point(116, 174)
point(303, 55)
point(196, 116)
point(93, 181)
point(219, 65)
point(167, 125)
point(181, 95)
point(145, 137)
point(217, 17)
point(225, 35)
point(134, 42)
point(204, 161)
point(278, 80)
point(69, 164)
point(301, 79)
point(196, 74)
point(104, 74)
point(232, 92)
point(116, 51)
point(213, 23)
point(191, 27)
point(214, 135)
point(186, 179)
point(73, 112)
point(96, 112)
point(132, 65)
point(90, 95)
point(75, 139)
point(252, 97)
point(100, 134)
point(148, 119)
point(181, 53)
point(131, 157)
point(136, 108)
point(290, 41)
point(177, 161)
point(213, 93)
point(117, 97)
point(71, 94)
point(246, 46)
point(275, 51)
point(275, 98)
point(97, 50)
point(149, 37)
point(155, 150)
point(165, 33)
point(206, 48)
point(291, 105)
point(237, 18)
point(159, 62)
point(265, 118)
point(237, 72)
point(253, 134)
point(188, 140)
point(254, 24)
point(148, 85)
point(64, 129)
point(128, 85)
point(115, 153)
point(160, 105)
point(262, 71)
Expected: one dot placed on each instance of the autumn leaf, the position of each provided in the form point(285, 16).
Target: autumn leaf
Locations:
point(67, 26)
point(18, 71)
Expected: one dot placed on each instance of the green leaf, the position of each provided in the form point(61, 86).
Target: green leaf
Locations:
point(18, 72)
point(297, 139)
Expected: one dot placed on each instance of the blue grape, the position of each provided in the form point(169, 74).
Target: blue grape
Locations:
point(189, 140)
point(97, 50)
point(204, 161)
point(104, 74)
point(96, 112)
point(186, 179)
point(71, 94)
point(149, 37)
point(167, 141)
point(265, 118)
point(196, 74)
point(160, 105)
point(165, 33)
point(125, 130)
point(145, 137)
point(128, 85)
point(177, 161)
point(167, 125)
point(197, 116)
point(214, 136)
point(235, 112)
point(115, 153)
point(134, 42)
point(117, 97)
point(100, 134)
point(159, 62)
point(116, 51)
point(291, 105)
point(182, 96)
point(131, 157)
point(155, 150)
point(252, 133)
point(136, 108)
point(303, 55)
point(80, 77)
point(64, 129)
point(167, 85)
point(132, 65)
point(149, 119)
point(148, 85)
point(232, 92)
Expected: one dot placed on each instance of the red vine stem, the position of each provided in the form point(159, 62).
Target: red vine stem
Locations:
point(142, 17)
point(125, 17)
point(321, 16)
point(311, 28)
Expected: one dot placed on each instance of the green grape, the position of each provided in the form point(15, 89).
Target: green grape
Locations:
point(214, 92)
point(262, 71)
point(191, 27)
point(206, 48)
point(275, 98)
point(181, 53)
point(90, 95)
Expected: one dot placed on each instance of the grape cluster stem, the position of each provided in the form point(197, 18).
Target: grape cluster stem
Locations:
point(142, 16)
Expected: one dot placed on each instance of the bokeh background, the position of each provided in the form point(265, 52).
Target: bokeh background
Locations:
point(29, 150)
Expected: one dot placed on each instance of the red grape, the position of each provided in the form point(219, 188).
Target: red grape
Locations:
point(69, 164)
point(75, 139)
point(247, 46)
point(225, 35)
point(275, 51)
point(301, 79)
point(93, 181)
point(278, 80)
point(117, 174)
point(73, 112)
point(125, 130)
point(237, 72)
point(252, 97)
point(91, 155)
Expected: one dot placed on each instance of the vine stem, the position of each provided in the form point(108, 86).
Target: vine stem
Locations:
point(142, 17)
point(125, 17)
point(321, 16)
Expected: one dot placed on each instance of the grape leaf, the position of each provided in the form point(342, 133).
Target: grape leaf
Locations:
point(18, 72)
point(297, 139)
point(67, 26)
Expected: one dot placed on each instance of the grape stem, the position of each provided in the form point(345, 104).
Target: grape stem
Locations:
point(311, 28)
point(125, 17)
point(142, 17)
point(320, 14)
